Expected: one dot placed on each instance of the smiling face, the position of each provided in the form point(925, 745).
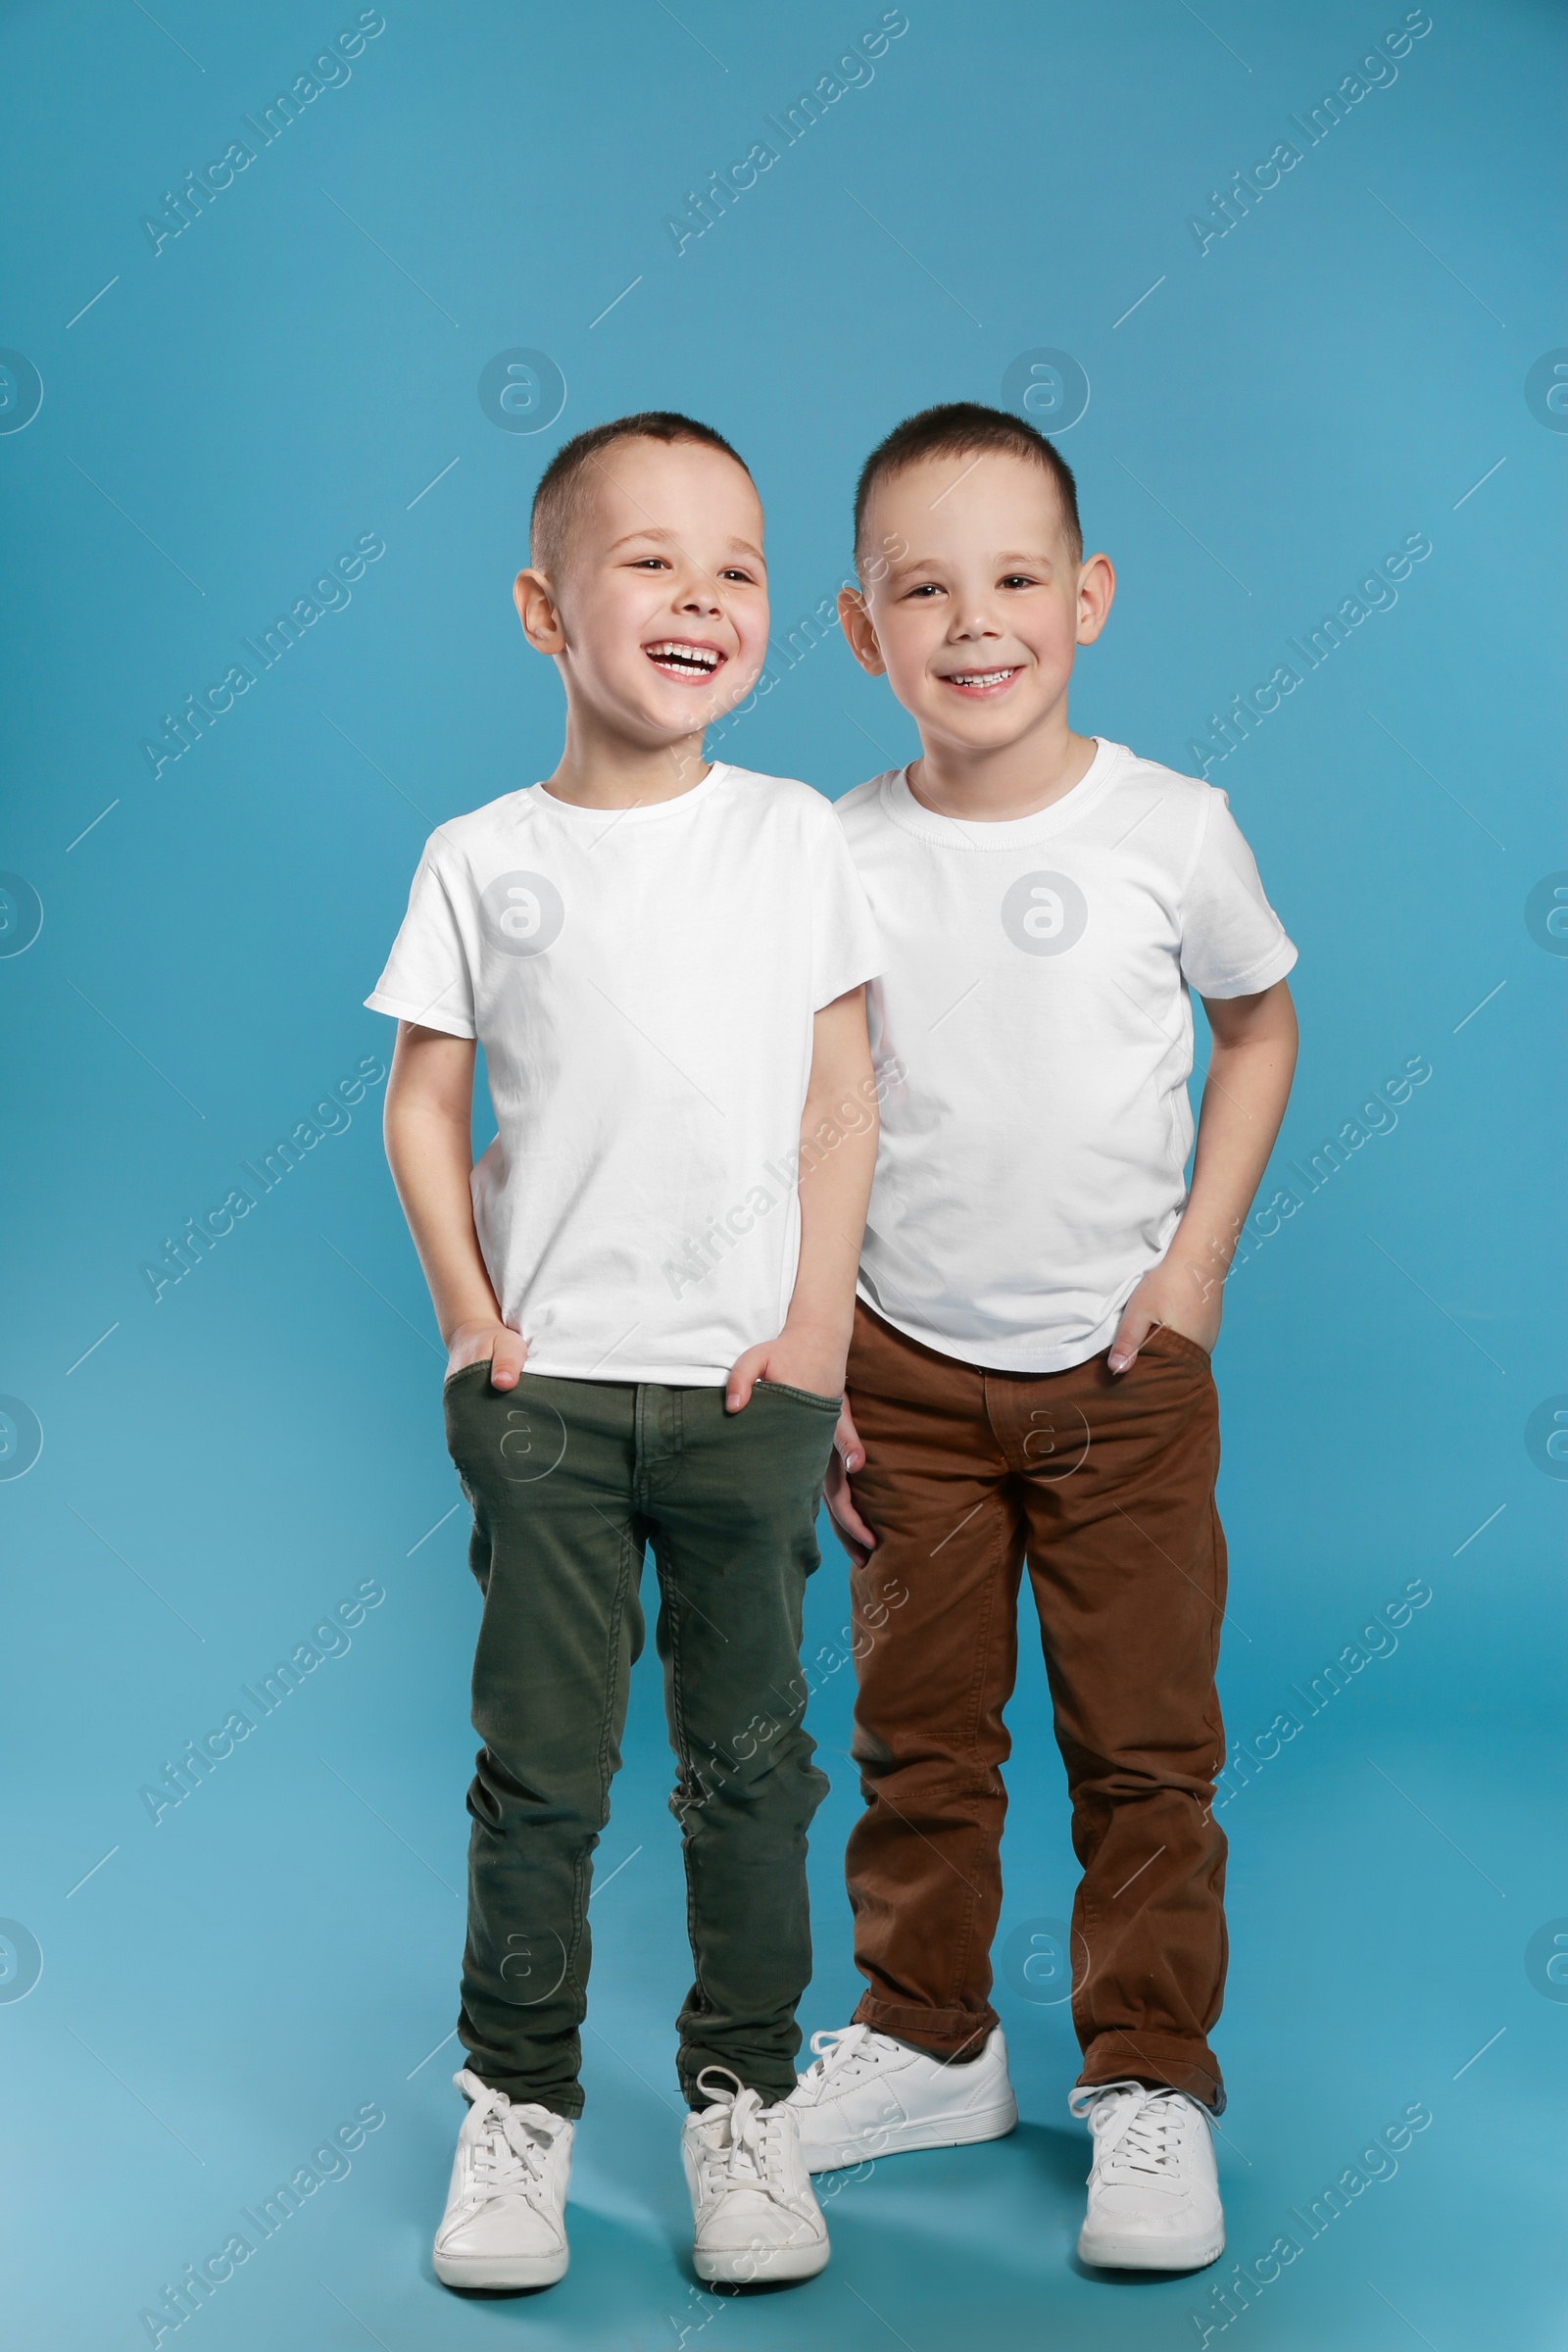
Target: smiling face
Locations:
point(658, 614)
point(976, 625)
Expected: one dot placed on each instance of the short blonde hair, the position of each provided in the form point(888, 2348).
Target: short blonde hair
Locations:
point(959, 429)
point(557, 502)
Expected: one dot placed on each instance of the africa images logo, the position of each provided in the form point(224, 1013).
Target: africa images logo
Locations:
point(522, 913)
point(1045, 913)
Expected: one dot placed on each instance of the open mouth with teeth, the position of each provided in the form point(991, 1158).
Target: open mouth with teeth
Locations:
point(683, 658)
point(981, 681)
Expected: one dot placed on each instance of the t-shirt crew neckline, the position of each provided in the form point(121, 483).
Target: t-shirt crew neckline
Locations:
point(1005, 832)
point(647, 812)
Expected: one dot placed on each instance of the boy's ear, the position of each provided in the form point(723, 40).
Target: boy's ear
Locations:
point(1096, 586)
point(855, 623)
point(538, 612)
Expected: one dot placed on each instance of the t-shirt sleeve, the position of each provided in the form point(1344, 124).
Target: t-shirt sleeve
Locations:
point(427, 977)
point(1232, 943)
point(846, 944)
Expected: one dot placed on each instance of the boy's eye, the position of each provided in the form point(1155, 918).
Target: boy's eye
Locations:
point(1017, 579)
point(733, 572)
point(926, 588)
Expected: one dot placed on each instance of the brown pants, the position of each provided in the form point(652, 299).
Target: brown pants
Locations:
point(1106, 1489)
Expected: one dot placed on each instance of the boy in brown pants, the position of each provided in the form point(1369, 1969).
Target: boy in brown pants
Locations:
point(1029, 1381)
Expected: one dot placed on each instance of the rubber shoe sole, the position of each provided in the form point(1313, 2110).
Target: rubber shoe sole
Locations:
point(901, 2139)
point(501, 2270)
point(762, 2265)
point(1115, 2250)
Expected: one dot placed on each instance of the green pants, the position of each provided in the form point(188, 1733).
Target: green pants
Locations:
point(570, 1480)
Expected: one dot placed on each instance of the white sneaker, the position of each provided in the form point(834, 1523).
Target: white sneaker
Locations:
point(505, 2222)
point(756, 2216)
point(868, 2095)
point(1154, 2196)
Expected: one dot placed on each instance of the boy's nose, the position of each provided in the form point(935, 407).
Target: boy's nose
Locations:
point(701, 595)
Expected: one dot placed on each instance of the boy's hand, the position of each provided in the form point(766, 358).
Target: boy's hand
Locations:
point(847, 1455)
point(803, 1356)
point(1188, 1298)
point(497, 1343)
point(1252, 1055)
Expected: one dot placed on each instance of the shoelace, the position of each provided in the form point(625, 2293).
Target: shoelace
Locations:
point(748, 2156)
point(839, 2051)
point(508, 2147)
point(748, 2140)
point(1137, 2132)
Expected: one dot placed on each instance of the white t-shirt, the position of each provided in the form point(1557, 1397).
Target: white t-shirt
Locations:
point(1034, 1032)
point(643, 982)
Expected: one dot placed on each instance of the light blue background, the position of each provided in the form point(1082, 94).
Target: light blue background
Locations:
point(1338, 371)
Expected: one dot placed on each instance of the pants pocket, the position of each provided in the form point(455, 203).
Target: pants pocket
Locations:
point(782, 1388)
point(1162, 1338)
point(503, 1438)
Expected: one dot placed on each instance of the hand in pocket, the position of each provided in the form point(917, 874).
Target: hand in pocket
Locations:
point(849, 1453)
point(496, 1344)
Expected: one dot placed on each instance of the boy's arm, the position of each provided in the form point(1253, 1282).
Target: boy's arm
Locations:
point(429, 1102)
point(1248, 1083)
point(838, 1153)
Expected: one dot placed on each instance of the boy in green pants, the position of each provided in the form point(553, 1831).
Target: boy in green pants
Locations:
point(646, 1288)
